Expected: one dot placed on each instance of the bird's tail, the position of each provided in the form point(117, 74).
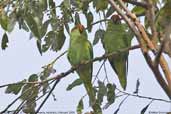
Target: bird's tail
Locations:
point(92, 98)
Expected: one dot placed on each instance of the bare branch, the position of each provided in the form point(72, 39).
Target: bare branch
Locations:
point(53, 87)
point(72, 69)
point(143, 97)
point(140, 33)
point(96, 76)
point(62, 75)
point(151, 18)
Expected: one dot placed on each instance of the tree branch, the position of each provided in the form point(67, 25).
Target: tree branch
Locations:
point(143, 97)
point(151, 18)
point(141, 34)
point(16, 99)
point(53, 87)
point(150, 44)
point(72, 69)
point(62, 75)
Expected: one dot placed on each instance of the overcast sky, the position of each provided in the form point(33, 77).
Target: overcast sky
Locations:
point(22, 59)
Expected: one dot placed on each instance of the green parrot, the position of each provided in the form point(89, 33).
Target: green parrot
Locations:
point(80, 50)
point(115, 39)
point(163, 24)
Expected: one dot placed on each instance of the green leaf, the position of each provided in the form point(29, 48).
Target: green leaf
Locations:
point(60, 40)
point(89, 21)
point(29, 107)
point(29, 96)
point(98, 35)
point(54, 24)
point(67, 28)
point(48, 40)
point(85, 6)
point(4, 41)
point(44, 28)
point(45, 87)
point(67, 13)
point(39, 47)
point(12, 22)
point(76, 82)
point(46, 72)
point(22, 25)
point(33, 24)
point(15, 88)
point(78, 4)
point(67, 3)
point(100, 5)
point(138, 10)
point(44, 75)
point(80, 107)
point(102, 92)
point(30, 91)
point(52, 6)
point(110, 11)
point(4, 21)
point(111, 93)
point(43, 4)
point(33, 77)
point(55, 40)
point(77, 19)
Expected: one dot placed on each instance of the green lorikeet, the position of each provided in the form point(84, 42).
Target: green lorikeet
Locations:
point(80, 50)
point(115, 39)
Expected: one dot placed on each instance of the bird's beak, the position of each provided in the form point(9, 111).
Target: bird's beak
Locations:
point(80, 27)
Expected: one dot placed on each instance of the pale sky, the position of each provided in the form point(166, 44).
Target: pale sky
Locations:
point(22, 59)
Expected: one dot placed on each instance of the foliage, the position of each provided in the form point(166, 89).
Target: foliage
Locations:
point(49, 22)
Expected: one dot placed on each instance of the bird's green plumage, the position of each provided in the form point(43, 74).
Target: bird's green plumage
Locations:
point(115, 39)
point(80, 50)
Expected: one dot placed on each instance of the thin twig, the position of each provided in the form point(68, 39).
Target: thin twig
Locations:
point(61, 75)
point(123, 101)
point(58, 57)
point(64, 74)
point(53, 87)
point(16, 99)
point(97, 22)
point(105, 70)
point(96, 76)
point(151, 18)
point(19, 107)
point(144, 97)
point(19, 98)
point(5, 85)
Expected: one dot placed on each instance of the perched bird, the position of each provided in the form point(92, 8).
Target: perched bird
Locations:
point(115, 39)
point(80, 50)
point(163, 23)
